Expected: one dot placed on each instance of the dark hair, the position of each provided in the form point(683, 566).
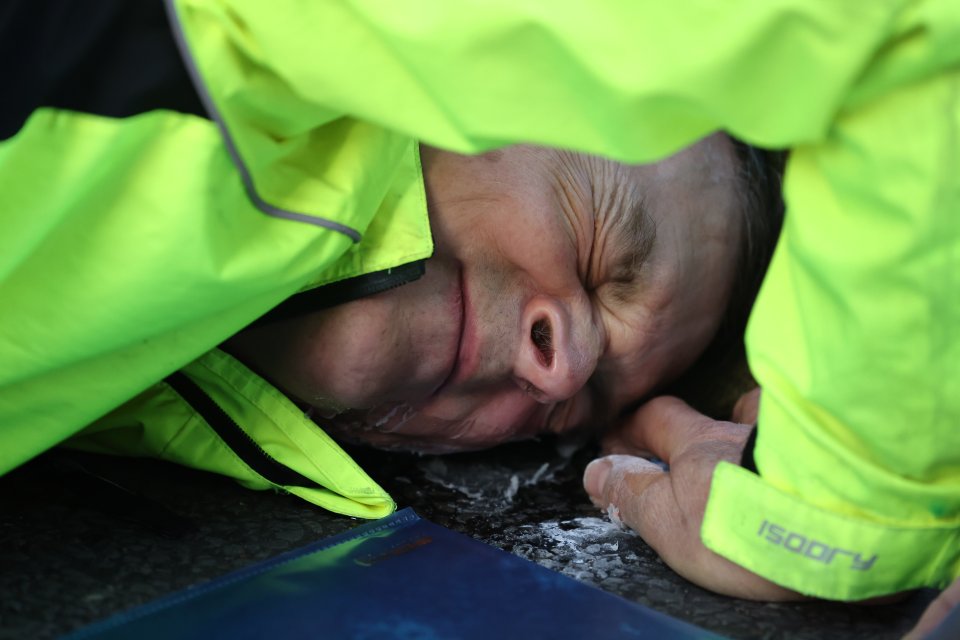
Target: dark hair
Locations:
point(720, 375)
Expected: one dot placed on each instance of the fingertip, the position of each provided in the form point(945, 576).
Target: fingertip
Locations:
point(617, 484)
point(595, 478)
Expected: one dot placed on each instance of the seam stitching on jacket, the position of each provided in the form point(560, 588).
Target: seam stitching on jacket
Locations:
point(193, 71)
point(333, 448)
point(219, 441)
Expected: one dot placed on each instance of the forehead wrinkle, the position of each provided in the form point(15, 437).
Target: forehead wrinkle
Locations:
point(636, 238)
point(633, 235)
point(574, 191)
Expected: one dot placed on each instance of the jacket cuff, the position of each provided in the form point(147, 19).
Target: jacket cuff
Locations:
point(817, 552)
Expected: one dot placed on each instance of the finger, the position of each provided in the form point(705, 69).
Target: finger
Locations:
point(617, 441)
point(638, 493)
point(647, 500)
point(663, 426)
point(619, 480)
point(747, 407)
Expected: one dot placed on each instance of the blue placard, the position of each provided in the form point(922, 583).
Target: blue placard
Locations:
point(400, 577)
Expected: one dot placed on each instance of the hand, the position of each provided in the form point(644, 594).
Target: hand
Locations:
point(666, 507)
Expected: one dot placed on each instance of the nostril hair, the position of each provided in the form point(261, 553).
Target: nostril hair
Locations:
point(542, 336)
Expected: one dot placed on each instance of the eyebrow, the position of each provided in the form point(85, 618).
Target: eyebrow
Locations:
point(635, 233)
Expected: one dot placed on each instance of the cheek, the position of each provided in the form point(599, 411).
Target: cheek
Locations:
point(706, 295)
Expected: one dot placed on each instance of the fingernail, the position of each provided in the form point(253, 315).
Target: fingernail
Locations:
point(595, 477)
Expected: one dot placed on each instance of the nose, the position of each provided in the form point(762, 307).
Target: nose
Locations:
point(558, 349)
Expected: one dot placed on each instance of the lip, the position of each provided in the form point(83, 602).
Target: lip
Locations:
point(468, 355)
point(465, 361)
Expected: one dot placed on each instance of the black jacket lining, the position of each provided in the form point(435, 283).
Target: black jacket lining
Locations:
point(746, 459)
point(114, 58)
point(234, 436)
point(338, 293)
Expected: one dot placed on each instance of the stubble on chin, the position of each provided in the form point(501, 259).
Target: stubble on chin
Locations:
point(400, 427)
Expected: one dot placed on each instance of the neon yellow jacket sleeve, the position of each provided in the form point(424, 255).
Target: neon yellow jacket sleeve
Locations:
point(856, 333)
point(130, 246)
point(633, 80)
point(856, 341)
point(196, 416)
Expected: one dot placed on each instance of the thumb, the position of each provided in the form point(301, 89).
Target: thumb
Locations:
point(620, 480)
point(665, 426)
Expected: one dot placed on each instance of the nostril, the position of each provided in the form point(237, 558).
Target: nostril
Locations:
point(541, 333)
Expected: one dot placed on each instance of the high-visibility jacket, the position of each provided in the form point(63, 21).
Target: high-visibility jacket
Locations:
point(131, 246)
point(855, 336)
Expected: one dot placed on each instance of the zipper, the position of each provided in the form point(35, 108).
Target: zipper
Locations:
point(337, 293)
point(233, 435)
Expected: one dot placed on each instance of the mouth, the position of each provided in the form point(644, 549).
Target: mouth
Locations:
point(465, 357)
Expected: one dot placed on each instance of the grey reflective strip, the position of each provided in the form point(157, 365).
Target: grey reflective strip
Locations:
point(211, 108)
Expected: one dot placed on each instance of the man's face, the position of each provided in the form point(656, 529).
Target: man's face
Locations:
point(563, 288)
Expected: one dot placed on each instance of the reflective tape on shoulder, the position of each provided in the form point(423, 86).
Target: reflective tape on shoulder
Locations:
point(215, 115)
